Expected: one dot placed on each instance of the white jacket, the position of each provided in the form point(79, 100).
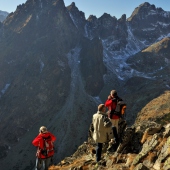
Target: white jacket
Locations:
point(101, 133)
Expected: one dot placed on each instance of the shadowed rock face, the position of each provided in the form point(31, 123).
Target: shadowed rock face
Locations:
point(91, 64)
point(37, 78)
point(78, 17)
point(35, 57)
point(56, 66)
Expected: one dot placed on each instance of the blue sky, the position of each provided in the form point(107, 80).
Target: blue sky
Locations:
point(97, 7)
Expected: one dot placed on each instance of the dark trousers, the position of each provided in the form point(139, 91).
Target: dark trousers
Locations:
point(43, 163)
point(99, 151)
point(115, 146)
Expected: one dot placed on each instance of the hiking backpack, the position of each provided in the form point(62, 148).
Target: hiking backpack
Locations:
point(120, 108)
point(48, 146)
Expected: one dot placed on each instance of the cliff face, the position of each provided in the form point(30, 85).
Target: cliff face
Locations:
point(56, 67)
point(92, 57)
point(37, 66)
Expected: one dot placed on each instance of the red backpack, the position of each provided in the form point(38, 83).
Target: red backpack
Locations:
point(48, 148)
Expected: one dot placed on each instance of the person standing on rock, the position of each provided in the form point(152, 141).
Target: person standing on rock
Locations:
point(45, 148)
point(102, 129)
point(111, 104)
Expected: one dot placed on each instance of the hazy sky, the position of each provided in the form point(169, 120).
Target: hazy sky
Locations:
point(97, 7)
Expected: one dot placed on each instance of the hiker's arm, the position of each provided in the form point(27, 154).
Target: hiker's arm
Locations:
point(53, 137)
point(36, 141)
point(108, 102)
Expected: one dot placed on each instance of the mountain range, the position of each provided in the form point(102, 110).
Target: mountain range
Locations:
point(57, 66)
point(3, 15)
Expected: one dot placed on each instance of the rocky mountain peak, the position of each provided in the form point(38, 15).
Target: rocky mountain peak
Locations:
point(145, 4)
point(143, 10)
point(106, 16)
point(123, 18)
point(78, 17)
point(92, 18)
point(44, 11)
point(40, 5)
point(148, 18)
point(73, 4)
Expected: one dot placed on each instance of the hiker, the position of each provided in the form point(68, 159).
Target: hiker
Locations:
point(45, 148)
point(111, 104)
point(102, 129)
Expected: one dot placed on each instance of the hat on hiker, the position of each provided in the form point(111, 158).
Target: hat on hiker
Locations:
point(113, 92)
point(100, 107)
point(43, 129)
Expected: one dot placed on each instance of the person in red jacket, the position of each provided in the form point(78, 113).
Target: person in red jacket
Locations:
point(45, 148)
point(111, 104)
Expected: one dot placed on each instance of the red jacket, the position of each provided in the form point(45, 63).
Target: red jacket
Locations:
point(111, 106)
point(39, 142)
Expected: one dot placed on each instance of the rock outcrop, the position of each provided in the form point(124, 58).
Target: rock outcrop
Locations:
point(153, 154)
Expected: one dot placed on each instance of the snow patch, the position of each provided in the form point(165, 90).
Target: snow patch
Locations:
point(167, 86)
point(41, 65)
point(37, 17)
point(152, 12)
point(115, 61)
point(167, 61)
point(5, 88)
point(74, 21)
point(165, 14)
point(162, 36)
point(87, 32)
point(41, 6)
point(148, 29)
point(163, 24)
point(61, 63)
point(73, 58)
point(10, 62)
point(97, 100)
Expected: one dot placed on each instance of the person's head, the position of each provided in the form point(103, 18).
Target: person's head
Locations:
point(43, 129)
point(113, 93)
point(101, 108)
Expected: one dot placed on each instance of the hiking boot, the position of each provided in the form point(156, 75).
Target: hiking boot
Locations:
point(97, 165)
point(111, 145)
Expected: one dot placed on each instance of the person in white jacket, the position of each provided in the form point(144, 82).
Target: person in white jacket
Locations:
point(102, 129)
